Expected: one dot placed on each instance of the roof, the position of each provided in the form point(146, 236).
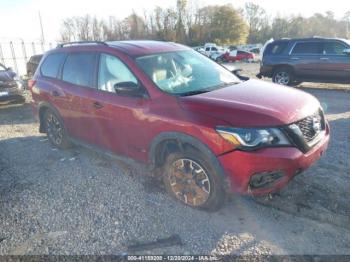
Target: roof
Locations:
point(146, 47)
point(318, 38)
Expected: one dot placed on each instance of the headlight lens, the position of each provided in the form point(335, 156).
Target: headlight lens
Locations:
point(253, 138)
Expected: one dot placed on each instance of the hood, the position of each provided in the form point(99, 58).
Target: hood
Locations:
point(253, 103)
point(6, 76)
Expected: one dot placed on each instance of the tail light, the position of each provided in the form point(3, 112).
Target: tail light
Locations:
point(31, 83)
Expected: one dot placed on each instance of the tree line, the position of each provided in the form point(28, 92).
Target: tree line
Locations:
point(192, 25)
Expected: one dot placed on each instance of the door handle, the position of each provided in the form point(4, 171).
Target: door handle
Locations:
point(97, 105)
point(55, 93)
point(324, 58)
point(295, 58)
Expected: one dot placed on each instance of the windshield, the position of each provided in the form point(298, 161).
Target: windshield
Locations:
point(185, 72)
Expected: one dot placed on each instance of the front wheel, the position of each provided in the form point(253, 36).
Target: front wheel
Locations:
point(283, 76)
point(193, 180)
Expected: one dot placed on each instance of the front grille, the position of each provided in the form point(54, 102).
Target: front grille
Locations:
point(307, 125)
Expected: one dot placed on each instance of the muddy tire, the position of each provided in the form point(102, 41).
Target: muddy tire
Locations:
point(55, 130)
point(191, 178)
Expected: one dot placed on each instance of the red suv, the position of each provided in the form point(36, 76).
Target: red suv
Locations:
point(206, 131)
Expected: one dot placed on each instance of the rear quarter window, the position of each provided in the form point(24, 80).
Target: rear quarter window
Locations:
point(51, 65)
point(276, 48)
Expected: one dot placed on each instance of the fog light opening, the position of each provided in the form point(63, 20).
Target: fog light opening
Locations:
point(265, 179)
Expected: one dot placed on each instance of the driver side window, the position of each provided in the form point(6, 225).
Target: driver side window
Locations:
point(113, 71)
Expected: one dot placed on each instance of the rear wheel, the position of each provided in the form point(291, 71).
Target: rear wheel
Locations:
point(192, 179)
point(283, 76)
point(55, 130)
point(219, 59)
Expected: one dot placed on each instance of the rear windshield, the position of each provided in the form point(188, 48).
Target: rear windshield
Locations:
point(276, 48)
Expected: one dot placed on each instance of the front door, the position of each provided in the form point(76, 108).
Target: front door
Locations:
point(117, 122)
point(336, 64)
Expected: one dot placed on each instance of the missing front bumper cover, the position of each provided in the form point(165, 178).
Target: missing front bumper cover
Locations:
point(265, 179)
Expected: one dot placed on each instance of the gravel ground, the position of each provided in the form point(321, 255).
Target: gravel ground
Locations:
point(80, 202)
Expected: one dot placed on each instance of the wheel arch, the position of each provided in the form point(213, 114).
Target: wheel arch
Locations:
point(169, 142)
point(42, 108)
point(276, 67)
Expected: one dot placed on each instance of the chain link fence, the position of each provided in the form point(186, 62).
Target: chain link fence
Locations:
point(16, 54)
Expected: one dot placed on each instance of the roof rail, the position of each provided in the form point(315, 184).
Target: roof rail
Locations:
point(81, 43)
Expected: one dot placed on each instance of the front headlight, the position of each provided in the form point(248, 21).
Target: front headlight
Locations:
point(253, 138)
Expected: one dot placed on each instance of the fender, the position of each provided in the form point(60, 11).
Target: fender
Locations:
point(181, 139)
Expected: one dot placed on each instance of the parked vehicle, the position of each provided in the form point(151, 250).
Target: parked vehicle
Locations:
point(213, 51)
point(205, 131)
point(32, 64)
point(238, 55)
point(292, 61)
point(10, 86)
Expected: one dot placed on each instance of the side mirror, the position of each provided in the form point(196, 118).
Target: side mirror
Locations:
point(128, 89)
point(236, 72)
point(346, 51)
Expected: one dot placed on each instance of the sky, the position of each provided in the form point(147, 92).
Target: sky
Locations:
point(19, 19)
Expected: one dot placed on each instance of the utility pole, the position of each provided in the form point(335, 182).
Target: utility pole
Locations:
point(42, 30)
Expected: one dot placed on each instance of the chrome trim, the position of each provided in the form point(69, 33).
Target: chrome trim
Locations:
point(317, 139)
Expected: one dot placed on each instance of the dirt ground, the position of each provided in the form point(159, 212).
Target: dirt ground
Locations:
point(80, 202)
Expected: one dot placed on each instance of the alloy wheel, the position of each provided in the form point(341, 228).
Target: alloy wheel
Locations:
point(189, 182)
point(282, 78)
point(54, 129)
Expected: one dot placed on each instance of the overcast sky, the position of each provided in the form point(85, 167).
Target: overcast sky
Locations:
point(19, 18)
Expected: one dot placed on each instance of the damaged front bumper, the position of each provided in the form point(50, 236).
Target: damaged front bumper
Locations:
point(269, 169)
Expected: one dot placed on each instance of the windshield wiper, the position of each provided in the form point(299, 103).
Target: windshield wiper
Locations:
point(213, 88)
point(227, 84)
point(194, 92)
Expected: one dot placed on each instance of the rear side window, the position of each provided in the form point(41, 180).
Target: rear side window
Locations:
point(51, 65)
point(79, 69)
point(276, 48)
point(313, 48)
point(334, 48)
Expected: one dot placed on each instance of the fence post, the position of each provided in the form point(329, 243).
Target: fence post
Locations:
point(2, 55)
point(33, 46)
point(14, 57)
point(24, 52)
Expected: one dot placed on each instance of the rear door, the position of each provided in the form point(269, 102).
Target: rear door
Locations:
point(335, 64)
point(307, 58)
point(78, 81)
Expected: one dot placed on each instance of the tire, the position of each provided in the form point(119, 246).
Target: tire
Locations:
point(55, 130)
point(283, 76)
point(209, 196)
point(219, 60)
